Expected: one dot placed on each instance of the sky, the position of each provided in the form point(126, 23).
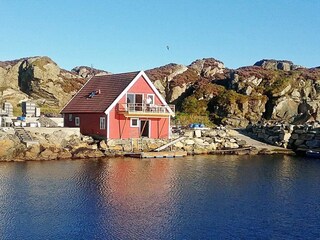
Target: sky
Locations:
point(130, 35)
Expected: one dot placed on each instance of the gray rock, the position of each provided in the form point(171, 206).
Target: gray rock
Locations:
point(231, 145)
point(198, 141)
point(189, 142)
point(313, 143)
point(197, 133)
point(189, 133)
point(222, 133)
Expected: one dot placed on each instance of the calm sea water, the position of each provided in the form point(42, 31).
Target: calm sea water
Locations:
point(203, 197)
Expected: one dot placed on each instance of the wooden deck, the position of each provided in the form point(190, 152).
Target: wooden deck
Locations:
point(173, 154)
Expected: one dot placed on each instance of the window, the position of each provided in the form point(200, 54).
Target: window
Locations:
point(77, 121)
point(150, 99)
point(70, 117)
point(130, 98)
point(134, 101)
point(102, 123)
point(134, 122)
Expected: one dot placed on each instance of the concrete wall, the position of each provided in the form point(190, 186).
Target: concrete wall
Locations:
point(41, 130)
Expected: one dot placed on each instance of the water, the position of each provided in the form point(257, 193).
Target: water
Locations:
point(203, 197)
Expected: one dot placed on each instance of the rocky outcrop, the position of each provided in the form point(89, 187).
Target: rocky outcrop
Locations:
point(87, 72)
point(208, 67)
point(10, 146)
point(176, 81)
point(271, 89)
point(162, 77)
point(41, 80)
point(276, 64)
point(283, 91)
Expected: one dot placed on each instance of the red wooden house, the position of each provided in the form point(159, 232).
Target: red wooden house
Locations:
point(119, 106)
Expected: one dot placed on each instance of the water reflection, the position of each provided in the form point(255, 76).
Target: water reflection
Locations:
point(139, 194)
point(201, 197)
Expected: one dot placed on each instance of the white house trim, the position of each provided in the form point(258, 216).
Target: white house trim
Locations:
point(169, 129)
point(138, 121)
point(108, 126)
point(155, 91)
point(141, 73)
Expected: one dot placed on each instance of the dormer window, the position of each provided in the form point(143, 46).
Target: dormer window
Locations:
point(94, 93)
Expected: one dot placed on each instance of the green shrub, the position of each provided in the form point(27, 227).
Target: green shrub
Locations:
point(186, 119)
point(191, 105)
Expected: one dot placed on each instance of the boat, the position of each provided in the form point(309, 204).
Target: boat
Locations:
point(313, 154)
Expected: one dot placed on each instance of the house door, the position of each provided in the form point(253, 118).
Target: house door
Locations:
point(144, 128)
point(138, 101)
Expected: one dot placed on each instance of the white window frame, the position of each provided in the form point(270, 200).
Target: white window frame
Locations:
point(70, 117)
point(77, 121)
point(134, 97)
point(102, 123)
point(131, 124)
point(152, 97)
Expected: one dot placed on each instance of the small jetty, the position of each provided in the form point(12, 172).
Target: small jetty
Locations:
point(173, 154)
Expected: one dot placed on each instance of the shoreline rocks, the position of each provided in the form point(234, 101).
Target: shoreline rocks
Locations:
point(60, 145)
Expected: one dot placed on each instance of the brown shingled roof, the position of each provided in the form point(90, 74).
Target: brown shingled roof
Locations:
point(110, 86)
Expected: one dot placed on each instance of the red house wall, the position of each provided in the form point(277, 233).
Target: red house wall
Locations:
point(120, 126)
point(89, 123)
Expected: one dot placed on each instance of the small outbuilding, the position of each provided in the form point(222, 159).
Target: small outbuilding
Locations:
point(119, 106)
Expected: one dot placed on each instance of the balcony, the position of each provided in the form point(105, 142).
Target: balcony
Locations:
point(145, 110)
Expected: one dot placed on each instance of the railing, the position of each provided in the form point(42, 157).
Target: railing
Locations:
point(145, 108)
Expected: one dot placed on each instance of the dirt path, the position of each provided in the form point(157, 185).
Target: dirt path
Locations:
point(260, 146)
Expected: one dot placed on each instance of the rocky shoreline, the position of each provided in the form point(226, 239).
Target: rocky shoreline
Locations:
point(59, 145)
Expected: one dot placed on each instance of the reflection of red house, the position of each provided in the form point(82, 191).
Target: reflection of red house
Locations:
point(125, 105)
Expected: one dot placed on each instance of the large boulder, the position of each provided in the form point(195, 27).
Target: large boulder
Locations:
point(11, 148)
point(87, 153)
point(272, 64)
point(285, 109)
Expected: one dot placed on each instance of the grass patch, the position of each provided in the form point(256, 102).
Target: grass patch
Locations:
point(50, 110)
point(186, 119)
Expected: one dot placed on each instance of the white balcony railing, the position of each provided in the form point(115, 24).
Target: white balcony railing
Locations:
point(145, 108)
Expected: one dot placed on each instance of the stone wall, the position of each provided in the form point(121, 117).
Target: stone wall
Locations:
point(194, 142)
point(294, 137)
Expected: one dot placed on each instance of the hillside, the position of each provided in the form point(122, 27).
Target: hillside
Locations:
point(270, 89)
point(40, 79)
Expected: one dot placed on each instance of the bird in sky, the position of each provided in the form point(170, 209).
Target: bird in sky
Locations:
point(168, 48)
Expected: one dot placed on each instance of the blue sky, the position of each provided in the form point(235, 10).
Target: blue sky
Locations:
point(129, 35)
